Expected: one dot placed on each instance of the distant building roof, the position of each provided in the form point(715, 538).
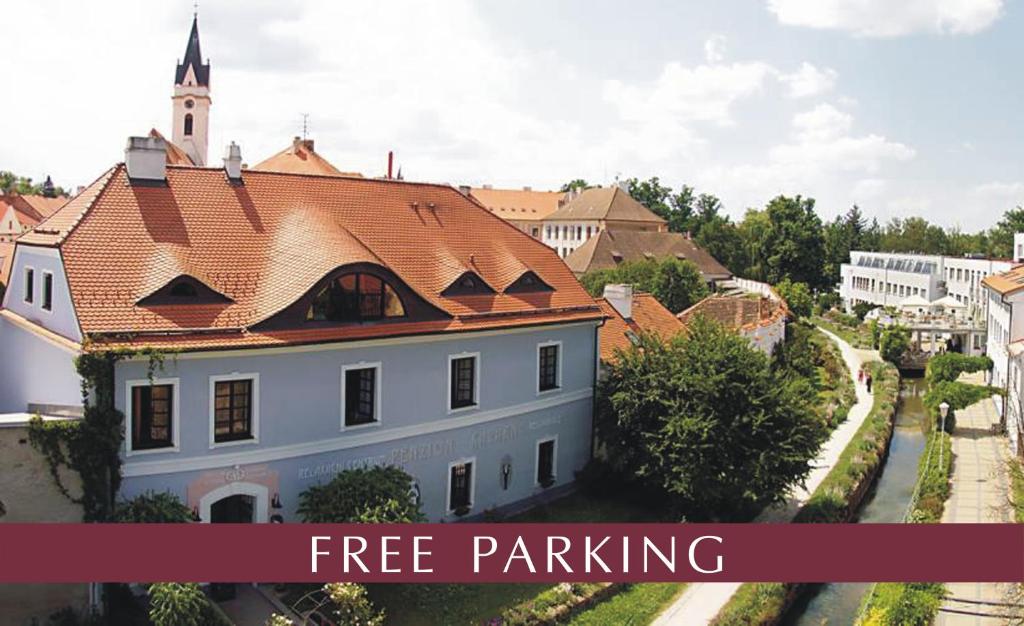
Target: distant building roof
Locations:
point(32, 209)
point(1006, 283)
point(519, 204)
point(175, 155)
point(649, 316)
point(193, 58)
point(609, 248)
point(6, 259)
point(605, 203)
point(737, 312)
point(301, 158)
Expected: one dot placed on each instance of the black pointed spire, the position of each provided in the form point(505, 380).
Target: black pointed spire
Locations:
point(194, 58)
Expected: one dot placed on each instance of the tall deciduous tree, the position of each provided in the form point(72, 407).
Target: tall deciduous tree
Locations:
point(678, 285)
point(792, 245)
point(705, 425)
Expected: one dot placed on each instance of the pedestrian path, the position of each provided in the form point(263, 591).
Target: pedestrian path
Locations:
point(700, 602)
point(980, 494)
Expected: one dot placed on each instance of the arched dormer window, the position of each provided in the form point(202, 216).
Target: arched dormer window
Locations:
point(188, 124)
point(529, 282)
point(355, 297)
point(469, 283)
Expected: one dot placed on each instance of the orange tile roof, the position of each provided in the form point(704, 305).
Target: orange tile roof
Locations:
point(175, 155)
point(648, 315)
point(606, 203)
point(737, 313)
point(519, 204)
point(300, 158)
point(6, 259)
point(610, 247)
point(1006, 283)
point(266, 243)
point(43, 205)
point(31, 209)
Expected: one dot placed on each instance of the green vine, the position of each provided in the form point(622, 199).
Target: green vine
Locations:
point(91, 446)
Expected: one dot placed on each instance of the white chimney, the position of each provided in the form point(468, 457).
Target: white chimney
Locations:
point(233, 161)
point(146, 158)
point(621, 298)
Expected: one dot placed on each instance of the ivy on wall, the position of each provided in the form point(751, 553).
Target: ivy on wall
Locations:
point(91, 446)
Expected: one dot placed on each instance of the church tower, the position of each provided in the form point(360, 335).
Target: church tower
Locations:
point(192, 101)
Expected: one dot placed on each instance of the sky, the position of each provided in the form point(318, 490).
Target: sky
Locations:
point(904, 108)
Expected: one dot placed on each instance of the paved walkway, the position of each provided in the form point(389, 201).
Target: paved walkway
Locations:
point(980, 494)
point(702, 601)
point(249, 607)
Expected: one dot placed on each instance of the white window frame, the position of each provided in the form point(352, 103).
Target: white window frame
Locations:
point(175, 415)
point(536, 459)
point(476, 383)
point(28, 296)
point(378, 368)
point(254, 414)
point(42, 293)
point(558, 368)
point(472, 484)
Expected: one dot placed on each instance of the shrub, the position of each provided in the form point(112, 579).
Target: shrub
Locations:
point(894, 342)
point(279, 620)
point(948, 366)
point(351, 606)
point(177, 604)
point(678, 285)
point(376, 494)
point(862, 308)
point(153, 508)
point(797, 296)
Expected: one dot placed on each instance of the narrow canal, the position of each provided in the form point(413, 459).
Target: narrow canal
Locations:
point(837, 604)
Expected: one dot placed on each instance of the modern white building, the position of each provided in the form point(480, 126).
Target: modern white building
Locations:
point(889, 278)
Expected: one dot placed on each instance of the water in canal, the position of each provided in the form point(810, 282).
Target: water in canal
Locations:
point(837, 604)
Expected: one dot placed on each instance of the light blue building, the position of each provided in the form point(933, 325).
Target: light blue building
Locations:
point(311, 324)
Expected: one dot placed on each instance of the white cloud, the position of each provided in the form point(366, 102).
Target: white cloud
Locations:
point(702, 93)
point(809, 80)
point(889, 18)
point(1011, 191)
point(714, 49)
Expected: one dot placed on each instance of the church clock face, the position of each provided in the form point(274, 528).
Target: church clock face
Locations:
point(189, 104)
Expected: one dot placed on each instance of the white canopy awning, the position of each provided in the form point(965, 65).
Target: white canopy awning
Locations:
point(949, 302)
point(914, 302)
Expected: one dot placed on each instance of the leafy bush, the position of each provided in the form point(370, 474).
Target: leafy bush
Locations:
point(957, 395)
point(906, 604)
point(754, 603)
point(153, 508)
point(863, 308)
point(676, 283)
point(706, 423)
point(279, 620)
point(351, 606)
point(375, 494)
point(797, 296)
point(550, 604)
point(894, 342)
point(177, 604)
point(948, 366)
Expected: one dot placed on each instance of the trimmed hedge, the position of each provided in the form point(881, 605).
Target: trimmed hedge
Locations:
point(835, 500)
point(558, 604)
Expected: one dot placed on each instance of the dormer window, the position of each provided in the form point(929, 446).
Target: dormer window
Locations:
point(184, 290)
point(527, 283)
point(355, 298)
point(469, 283)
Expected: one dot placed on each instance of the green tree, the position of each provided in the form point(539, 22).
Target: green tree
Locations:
point(576, 184)
point(361, 494)
point(640, 274)
point(705, 425)
point(652, 194)
point(797, 296)
point(678, 285)
point(177, 604)
point(722, 240)
point(1001, 235)
point(792, 245)
point(153, 508)
point(894, 342)
point(12, 183)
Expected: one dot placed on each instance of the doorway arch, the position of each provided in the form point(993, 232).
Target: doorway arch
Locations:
point(259, 493)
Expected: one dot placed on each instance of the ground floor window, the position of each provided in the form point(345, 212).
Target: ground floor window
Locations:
point(460, 486)
point(546, 462)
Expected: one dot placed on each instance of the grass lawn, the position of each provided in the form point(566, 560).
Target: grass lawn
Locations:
point(469, 605)
point(638, 605)
point(1017, 489)
point(859, 337)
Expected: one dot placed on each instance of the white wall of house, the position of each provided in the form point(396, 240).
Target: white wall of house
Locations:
point(29, 301)
point(565, 237)
point(963, 278)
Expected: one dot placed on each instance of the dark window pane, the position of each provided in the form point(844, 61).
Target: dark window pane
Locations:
point(151, 417)
point(356, 297)
point(47, 292)
point(546, 461)
point(461, 485)
point(232, 410)
point(463, 382)
point(360, 396)
point(548, 367)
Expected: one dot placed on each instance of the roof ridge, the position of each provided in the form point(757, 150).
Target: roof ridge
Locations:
point(103, 180)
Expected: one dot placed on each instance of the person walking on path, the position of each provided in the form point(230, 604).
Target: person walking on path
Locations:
point(860, 375)
point(867, 381)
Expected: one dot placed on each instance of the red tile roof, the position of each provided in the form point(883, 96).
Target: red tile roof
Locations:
point(31, 209)
point(648, 315)
point(301, 158)
point(266, 243)
point(737, 313)
point(6, 258)
point(519, 204)
point(175, 155)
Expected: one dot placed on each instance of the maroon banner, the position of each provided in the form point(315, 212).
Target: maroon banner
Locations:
point(511, 552)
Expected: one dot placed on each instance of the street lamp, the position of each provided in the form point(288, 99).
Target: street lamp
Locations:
point(943, 411)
